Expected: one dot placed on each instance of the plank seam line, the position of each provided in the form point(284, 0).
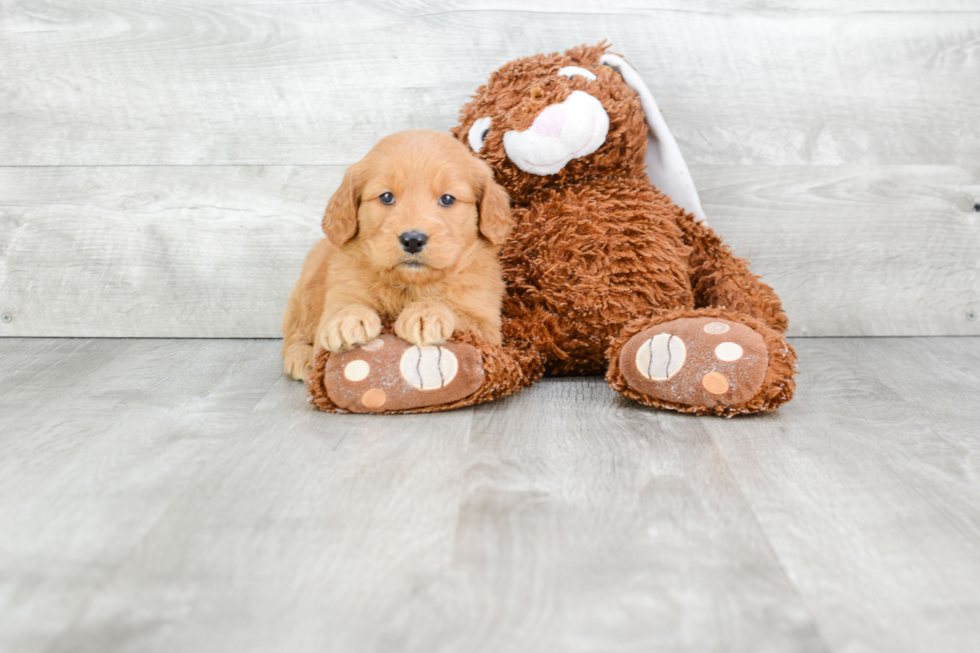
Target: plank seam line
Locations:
point(768, 543)
point(123, 559)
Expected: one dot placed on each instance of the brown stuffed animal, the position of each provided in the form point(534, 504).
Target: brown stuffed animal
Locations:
point(605, 274)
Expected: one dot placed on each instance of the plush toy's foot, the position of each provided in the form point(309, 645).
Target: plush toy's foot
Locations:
point(706, 365)
point(698, 361)
point(388, 374)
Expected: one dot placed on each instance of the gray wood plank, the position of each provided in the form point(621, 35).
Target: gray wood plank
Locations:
point(867, 486)
point(213, 251)
point(852, 251)
point(155, 252)
point(24, 360)
point(168, 499)
point(340, 514)
point(504, 528)
point(590, 524)
point(97, 438)
point(195, 83)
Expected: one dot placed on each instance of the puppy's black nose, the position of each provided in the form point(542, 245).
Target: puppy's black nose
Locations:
point(413, 241)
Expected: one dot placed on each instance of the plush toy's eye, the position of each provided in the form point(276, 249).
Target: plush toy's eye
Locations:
point(478, 133)
point(447, 200)
point(386, 198)
point(572, 71)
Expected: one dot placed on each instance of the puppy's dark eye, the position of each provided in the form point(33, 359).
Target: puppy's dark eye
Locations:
point(447, 200)
point(387, 198)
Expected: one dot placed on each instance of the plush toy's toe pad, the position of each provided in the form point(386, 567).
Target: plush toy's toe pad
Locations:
point(389, 374)
point(698, 361)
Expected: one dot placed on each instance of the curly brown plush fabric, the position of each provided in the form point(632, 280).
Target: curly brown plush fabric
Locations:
point(599, 256)
point(598, 253)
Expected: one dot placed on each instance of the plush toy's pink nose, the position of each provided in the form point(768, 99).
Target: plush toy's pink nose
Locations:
point(550, 121)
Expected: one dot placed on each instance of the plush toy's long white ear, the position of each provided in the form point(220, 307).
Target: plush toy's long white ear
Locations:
point(665, 164)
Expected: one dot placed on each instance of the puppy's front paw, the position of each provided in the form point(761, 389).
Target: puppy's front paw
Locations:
point(426, 323)
point(351, 326)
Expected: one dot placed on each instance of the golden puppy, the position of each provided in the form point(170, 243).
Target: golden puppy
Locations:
point(412, 237)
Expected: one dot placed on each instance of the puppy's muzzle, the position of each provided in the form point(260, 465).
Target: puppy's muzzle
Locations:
point(413, 241)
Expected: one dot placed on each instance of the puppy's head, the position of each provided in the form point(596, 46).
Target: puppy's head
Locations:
point(417, 205)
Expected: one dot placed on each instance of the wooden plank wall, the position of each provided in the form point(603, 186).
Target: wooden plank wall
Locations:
point(164, 164)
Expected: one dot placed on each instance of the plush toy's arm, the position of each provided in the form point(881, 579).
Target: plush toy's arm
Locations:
point(719, 279)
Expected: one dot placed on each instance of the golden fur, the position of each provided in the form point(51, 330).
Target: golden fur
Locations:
point(360, 278)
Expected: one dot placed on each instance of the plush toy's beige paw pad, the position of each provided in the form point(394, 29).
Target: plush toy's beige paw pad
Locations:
point(696, 362)
point(390, 374)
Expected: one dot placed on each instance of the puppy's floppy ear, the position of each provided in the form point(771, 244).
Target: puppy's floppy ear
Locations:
point(495, 220)
point(340, 219)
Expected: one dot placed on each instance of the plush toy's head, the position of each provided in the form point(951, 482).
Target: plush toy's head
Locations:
point(562, 119)
point(554, 119)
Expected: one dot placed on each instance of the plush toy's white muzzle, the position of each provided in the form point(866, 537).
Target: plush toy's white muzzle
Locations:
point(578, 127)
point(562, 132)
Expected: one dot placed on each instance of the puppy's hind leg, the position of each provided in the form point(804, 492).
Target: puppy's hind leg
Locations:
point(298, 356)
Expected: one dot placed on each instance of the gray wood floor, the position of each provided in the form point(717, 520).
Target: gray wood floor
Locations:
point(181, 495)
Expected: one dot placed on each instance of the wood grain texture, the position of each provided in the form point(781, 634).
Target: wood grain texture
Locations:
point(501, 528)
point(878, 456)
point(213, 251)
point(832, 142)
point(182, 495)
point(98, 439)
point(145, 251)
point(891, 250)
point(192, 83)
